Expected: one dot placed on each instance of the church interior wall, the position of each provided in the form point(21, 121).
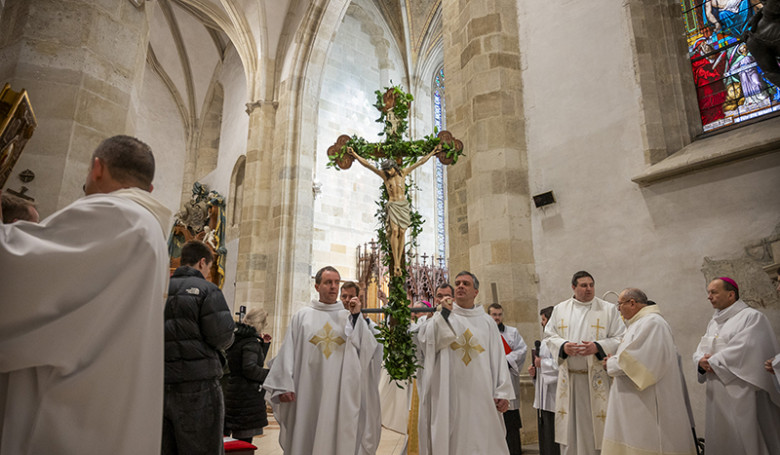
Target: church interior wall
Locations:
point(585, 144)
point(159, 124)
point(235, 122)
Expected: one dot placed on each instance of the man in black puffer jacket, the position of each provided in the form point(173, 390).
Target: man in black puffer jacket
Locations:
point(198, 324)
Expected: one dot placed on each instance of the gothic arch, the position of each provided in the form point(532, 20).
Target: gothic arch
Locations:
point(381, 37)
point(236, 196)
point(210, 129)
point(288, 247)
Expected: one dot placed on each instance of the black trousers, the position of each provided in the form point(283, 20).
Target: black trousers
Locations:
point(193, 414)
point(546, 424)
point(513, 425)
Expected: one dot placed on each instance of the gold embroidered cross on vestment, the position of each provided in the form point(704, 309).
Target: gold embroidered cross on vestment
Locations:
point(469, 345)
point(325, 338)
point(598, 328)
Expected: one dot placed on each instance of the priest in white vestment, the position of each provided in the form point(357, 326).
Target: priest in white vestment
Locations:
point(323, 383)
point(544, 372)
point(743, 405)
point(580, 333)
point(464, 385)
point(515, 350)
point(81, 316)
point(646, 413)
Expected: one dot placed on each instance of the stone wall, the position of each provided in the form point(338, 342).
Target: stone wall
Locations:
point(81, 84)
point(587, 139)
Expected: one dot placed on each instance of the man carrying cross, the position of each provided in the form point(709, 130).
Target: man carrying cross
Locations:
point(580, 333)
point(464, 384)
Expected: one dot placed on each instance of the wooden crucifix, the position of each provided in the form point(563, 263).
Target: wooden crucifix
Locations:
point(400, 159)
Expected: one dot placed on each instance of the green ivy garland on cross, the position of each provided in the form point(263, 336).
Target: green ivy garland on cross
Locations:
point(393, 104)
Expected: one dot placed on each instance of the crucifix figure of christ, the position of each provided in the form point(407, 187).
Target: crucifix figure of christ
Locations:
point(399, 211)
point(393, 105)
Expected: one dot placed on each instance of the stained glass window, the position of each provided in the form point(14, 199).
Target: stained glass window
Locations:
point(439, 121)
point(730, 86)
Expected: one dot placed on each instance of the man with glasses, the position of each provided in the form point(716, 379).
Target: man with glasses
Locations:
point(581, 332)
point(647, 389)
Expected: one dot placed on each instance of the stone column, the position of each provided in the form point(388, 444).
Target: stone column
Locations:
point(82, 62)
point(253, 257)
point(489, 200)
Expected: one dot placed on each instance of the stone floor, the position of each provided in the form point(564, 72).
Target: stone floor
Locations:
point(391, 443)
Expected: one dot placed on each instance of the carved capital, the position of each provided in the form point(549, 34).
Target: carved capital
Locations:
point(250, 107)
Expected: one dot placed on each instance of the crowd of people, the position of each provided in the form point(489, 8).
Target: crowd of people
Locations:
point(92, 358)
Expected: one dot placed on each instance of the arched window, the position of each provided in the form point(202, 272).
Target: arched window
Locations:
point(237, 191)
point(730, 86)
point(439, 121)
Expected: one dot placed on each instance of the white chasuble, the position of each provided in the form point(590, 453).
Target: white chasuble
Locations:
point(81, 327)
point(583, 385)
point(464, 370)
point(333, 369)
point(646, 413)
point(743, 405)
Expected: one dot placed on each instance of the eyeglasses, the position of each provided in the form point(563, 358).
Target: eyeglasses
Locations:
point(624, 302)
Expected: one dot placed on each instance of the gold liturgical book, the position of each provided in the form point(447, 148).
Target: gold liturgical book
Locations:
point(17, 123)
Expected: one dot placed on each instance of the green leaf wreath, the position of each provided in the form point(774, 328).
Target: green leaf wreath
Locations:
point(400, 357)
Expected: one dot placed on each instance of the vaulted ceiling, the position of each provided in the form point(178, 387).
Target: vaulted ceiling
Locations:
point(189, 39)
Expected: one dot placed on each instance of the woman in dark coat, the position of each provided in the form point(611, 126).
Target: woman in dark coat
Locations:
point(245, 414)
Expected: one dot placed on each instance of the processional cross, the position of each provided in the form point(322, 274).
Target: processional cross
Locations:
point(394, 110)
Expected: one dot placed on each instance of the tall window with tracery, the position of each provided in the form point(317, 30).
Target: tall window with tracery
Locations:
point(730, 86)
point(439, 121)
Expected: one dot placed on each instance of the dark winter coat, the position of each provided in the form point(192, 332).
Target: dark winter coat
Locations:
point(244, 401)
point(198, 324)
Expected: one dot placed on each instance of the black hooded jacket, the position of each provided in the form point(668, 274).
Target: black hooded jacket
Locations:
point(198, 324)
point(244, 400)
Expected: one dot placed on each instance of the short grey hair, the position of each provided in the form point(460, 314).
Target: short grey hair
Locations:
point(473, 277)
point(636, 294)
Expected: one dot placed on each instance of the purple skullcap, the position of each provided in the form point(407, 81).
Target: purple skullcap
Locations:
point(729, 281)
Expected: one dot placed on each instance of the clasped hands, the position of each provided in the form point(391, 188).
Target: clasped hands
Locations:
point(704, 363)
point(581, 349)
